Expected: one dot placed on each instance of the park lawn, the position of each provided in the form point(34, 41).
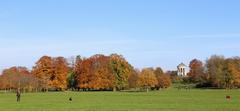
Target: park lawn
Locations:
point(165, 100)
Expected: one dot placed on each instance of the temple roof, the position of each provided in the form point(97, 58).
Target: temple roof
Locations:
point(181, 65)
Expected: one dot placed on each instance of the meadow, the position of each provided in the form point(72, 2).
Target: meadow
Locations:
point(165, 100)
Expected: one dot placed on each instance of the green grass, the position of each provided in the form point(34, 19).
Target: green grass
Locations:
point(167, 100)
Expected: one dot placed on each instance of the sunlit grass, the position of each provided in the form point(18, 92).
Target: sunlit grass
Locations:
point(167, 100)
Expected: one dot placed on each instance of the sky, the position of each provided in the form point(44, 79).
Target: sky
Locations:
point(148, 33)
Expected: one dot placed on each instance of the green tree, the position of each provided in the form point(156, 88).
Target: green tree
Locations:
point(71, 82)
point(121, 69)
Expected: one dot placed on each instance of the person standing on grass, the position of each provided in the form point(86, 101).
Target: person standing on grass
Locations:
point(18, 95)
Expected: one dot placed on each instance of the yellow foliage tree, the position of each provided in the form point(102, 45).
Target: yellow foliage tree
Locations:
point(147, 79)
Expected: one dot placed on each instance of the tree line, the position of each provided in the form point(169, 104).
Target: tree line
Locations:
point(113, 72)
point(217, 72)
point(98, 72)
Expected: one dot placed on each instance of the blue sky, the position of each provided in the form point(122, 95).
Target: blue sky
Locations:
point(147, 33)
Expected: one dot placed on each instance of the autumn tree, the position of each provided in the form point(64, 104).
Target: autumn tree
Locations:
point(121, 69)
point(18, 77)
point(231, 72)
point(94, 73)
point(82, 73)
point(2, 82)
point(158, 72)
point(163, 80)
point(147, 79)
point(44, 67)
point(234, 68)
point(102, 76)
point(133, 77)
point(52, 72)
point(215, 66)
point(58, 78)
point(196, 73)
point(43, 71)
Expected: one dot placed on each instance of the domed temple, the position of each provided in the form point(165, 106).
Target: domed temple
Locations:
point(182, 70)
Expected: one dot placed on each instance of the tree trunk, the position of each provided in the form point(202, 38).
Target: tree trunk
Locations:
point(114, 89)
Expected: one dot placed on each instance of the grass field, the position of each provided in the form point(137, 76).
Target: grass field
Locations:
point(167, 100)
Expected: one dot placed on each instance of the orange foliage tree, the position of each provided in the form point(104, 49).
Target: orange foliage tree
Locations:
point(232, 73)
point(43, 71)
point(18, 77)
point(196, 72)
point(102, 77)
point(133, 78)
point(59, 76)
point(94, 73)
point(164, 80)
point(147, 79)
point(52, 72)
